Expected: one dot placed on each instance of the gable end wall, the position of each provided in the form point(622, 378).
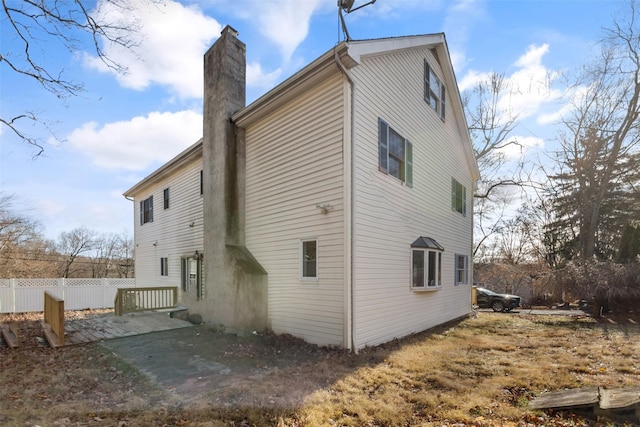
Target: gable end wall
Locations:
point(390, 216)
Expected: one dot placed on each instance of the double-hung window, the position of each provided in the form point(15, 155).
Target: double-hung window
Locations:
point(461, 269)
point(146, 210)
point(426, 264)
point(458, 197)
point(434, 91)
point(395, 154)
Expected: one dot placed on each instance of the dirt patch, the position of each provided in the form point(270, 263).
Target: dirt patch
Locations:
point(154, 379)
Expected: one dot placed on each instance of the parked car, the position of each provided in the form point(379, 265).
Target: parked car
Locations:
point(498, 302)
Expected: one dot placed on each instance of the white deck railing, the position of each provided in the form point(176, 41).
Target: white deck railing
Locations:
point(25, 295)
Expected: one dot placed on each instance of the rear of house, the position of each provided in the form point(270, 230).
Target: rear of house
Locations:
point(352, 200)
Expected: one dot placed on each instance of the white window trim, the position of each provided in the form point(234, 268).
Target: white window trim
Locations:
point(164, 267)
point(384, 136)
point(166, 198)
point(304, 278)
point(439, 94)
point(146, 219)
point(438, 272)
point(456, 268)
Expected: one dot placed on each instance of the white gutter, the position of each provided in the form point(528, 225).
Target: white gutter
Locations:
point(350, 199)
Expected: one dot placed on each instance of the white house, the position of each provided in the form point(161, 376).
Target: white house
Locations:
point(336, 208)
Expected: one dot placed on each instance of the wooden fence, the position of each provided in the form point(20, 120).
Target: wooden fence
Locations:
point(143, 299)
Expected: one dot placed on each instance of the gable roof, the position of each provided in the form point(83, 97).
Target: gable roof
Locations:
point(351, 54)
point(190, 153)
point(359, 49)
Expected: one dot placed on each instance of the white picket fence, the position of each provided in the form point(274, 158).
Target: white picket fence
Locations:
point(25, 295)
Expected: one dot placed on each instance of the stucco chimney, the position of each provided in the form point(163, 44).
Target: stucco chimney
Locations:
point(235, 285)
point(224, 94)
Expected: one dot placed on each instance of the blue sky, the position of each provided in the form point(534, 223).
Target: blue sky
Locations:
point(122, 127)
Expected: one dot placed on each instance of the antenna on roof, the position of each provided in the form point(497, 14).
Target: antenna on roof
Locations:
point(347, 6)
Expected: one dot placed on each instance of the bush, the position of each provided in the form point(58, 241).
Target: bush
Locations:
point(610, 286)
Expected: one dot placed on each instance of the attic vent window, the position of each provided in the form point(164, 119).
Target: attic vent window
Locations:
point(426, 264)
point(434, 91)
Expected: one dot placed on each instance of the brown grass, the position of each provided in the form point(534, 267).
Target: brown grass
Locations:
point(481, 371)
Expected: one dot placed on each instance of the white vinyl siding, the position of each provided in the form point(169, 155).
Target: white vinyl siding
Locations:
point(174, 232)
point(294, 162)
point(388, 217)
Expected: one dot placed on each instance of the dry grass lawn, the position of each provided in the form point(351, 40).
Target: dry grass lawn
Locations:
point(481, 371)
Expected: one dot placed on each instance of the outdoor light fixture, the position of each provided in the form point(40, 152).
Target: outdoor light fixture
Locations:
point(155, 243)
point(325, 207)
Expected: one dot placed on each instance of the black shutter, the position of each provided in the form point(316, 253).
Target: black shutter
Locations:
point(383, 146)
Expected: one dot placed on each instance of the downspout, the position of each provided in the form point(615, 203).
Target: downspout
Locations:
point(351, 274)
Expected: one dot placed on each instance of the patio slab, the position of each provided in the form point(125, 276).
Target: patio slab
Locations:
point(109, 326)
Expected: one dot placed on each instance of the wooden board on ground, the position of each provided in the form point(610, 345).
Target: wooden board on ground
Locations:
point(10, 334)
point(619, 398)
point(574, 398)
point(607, 402)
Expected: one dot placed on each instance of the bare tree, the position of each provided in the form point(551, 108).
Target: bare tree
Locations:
point(72, 244)
point(123, 256)
point(112, 255)
point(598, 161)
point(24, 252)
point(491, 126)
point(70, 23)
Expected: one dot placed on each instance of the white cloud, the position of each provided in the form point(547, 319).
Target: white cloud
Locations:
point(524, 143)
point(172, 41)
point(530, 84)
point(471, 79)
point(527, 90)
point(257, 78)
point(139, 142)
point(285, 22)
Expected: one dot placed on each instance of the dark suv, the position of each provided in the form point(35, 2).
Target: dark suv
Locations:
point(498, 302)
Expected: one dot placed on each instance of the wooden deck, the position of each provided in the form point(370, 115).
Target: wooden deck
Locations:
point(109, 326)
